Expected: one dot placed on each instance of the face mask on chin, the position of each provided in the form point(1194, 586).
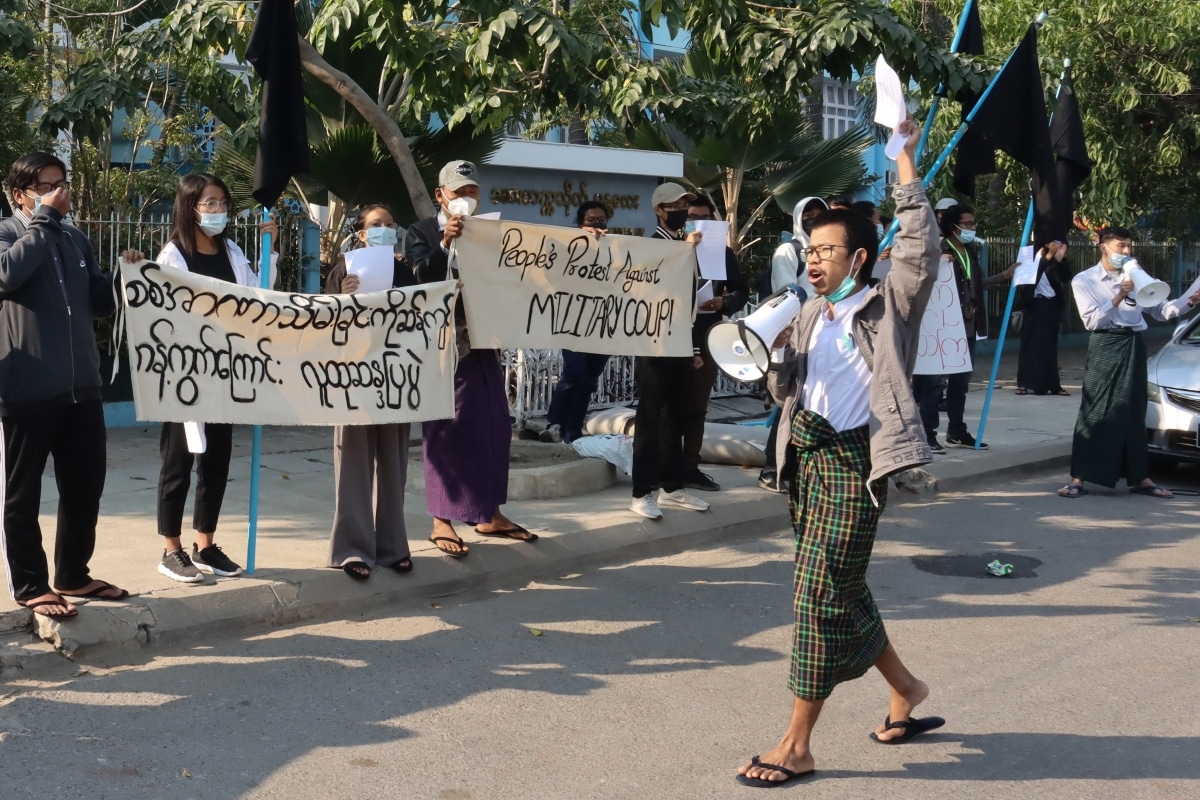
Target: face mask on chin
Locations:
point(846, 287)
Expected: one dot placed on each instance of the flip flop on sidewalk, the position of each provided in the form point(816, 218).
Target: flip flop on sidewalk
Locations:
point(1153, 490)
point(460, 553)
point(1072, 490)
point(100, 590)
point(911, 728)
point(763, 783)
point(41, 606)
point(515, 532)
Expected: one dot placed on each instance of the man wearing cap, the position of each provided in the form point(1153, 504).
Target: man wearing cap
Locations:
point(942, 205)
point(466, 458)
point(664, 391)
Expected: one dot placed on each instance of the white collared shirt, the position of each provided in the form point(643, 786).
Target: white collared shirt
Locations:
point(1044, 289)
point(1094, 290)
point(838, 382)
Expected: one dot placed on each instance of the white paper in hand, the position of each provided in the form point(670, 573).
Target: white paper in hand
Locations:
point(375, 267)
point(1026, 274)
point(704, 293)
point(890, 109)
point(711, 250)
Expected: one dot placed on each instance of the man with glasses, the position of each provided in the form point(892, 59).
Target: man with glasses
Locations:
point(580, 371)
point(729, 297)
point(51, 289)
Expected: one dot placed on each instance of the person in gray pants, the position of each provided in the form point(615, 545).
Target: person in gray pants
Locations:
point(370, 462)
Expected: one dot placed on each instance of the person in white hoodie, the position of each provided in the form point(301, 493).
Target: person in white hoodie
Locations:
point(787, 265)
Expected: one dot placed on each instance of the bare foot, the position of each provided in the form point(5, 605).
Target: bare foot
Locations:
point(783, 756)
point(502, 523)
point(445, 538)
point(50, 605)
point(900, 708)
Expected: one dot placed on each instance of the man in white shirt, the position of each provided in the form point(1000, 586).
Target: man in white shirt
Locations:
point(848, 363)
point(1110, 431)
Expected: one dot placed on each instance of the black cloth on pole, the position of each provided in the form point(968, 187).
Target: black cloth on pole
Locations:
point(1073, 164)
point(973, 156)
point(274, 51)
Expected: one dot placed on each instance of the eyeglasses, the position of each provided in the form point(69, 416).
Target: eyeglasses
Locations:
point(213, 205)
point(823, 252)
point(595, 222)
point(47, 188)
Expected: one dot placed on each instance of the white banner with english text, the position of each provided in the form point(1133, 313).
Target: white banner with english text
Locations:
point(548, 287)
point(206, 350)
point(942, 349)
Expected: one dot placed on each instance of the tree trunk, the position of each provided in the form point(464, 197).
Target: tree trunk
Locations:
point(378, 119)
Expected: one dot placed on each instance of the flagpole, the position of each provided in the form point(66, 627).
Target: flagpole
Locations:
point(264, 282)
point(1012, 293)
point(937, 165)
point(941, 90)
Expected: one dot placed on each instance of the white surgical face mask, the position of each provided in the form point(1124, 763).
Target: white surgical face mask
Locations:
point(879, 230)
point(966, 236)
point(212, 224)
point(381, 237)
point(1119, 260)
point(462, 205)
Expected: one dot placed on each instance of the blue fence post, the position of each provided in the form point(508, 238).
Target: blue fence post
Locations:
point(310, 257)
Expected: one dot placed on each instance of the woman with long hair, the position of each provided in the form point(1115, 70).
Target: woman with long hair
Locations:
point(370, 462)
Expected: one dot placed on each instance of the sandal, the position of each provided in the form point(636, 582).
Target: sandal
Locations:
point(462, 553)
point(763, 783)
point(403, 565)
point(1021, 390)
point(98, 592)
point(515, 532)
point(1073, 490)
point(56, 601)
point(357, 570)
point(1153, 490)
point(1062, 392)
point(911, 728)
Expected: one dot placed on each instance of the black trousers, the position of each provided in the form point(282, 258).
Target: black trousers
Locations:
point(927, 390)
point(702, 380)
point(664, 392)
point(212, 472)
point(74, 436)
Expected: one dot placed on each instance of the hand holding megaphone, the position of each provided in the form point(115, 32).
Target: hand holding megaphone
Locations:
point(1144, 288)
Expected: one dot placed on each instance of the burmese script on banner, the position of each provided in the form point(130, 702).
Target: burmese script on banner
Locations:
point(540, 286)
point(205, 350)
point(942, 349)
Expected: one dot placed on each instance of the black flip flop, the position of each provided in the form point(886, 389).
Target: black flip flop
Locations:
point(60, 601)
point(911, 728)
point(403, 565)
point(759, 783)
point(1072, 490)
point(451, 553)
point(357, 570)
point(98, 592)
point(508, 533)
point(1152, 491)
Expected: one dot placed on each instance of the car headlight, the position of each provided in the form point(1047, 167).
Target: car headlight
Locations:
point(1152, 393)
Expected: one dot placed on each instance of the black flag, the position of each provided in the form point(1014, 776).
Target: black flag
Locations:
point(1013, 119)
point(973, 155)
point(274, 50)
point(1073, 164)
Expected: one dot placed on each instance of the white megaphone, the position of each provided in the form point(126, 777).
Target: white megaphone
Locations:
point(742, 348)
point(1147, 290)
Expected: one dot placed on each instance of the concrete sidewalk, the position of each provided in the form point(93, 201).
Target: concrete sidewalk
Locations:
point(292, 583)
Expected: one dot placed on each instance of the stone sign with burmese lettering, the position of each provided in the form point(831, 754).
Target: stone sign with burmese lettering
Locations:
point(541, 286)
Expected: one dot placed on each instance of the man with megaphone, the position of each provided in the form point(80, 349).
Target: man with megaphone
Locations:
point(848, 360)
point(1114, 297)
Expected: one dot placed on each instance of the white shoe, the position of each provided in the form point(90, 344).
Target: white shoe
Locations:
point(646, 507)
point(681, 498)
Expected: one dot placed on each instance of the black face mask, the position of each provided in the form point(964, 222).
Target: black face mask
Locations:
point(676, 219)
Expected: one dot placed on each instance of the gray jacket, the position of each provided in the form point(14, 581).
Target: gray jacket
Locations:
point(48, 353)
point(886, 329)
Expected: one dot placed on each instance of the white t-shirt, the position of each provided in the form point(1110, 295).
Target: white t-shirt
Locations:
point(838, 382)
point(172, 256)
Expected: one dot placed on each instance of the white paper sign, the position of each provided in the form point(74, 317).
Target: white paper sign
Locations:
point(710, 252)
point(1027, 267)
point(942, 348)
point(704, 294)
point(547, 287)
point(890, 109)
point(210, 351)
point(375, 267)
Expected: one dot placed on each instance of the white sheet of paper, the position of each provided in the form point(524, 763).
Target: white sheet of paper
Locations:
point(193, 433)
point(890, 109)
point(704, 293)
point(488, 215)
point(1027, 266)
point(711, 250)
point(374, 266)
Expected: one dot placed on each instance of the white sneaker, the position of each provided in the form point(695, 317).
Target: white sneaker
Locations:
point(681, 498)
point(646, 507)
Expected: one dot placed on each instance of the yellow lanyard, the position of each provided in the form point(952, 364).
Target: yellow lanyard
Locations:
point(963, 257)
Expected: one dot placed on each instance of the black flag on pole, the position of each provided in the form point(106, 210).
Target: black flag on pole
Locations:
point(1072, 165)
point(274, 51)
point(973, 156)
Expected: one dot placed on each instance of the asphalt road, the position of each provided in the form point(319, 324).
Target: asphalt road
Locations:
point(1074, 678)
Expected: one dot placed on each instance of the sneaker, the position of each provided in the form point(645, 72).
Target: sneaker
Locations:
point(698, 480)
point(646, 507)
point(178, 567)
point(965, 441)
point(214, 561)
point(936, 446)
point(770, 481)
point(681, 498)
point(551, 435)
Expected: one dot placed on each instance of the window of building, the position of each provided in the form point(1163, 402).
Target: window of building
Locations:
point(841, 108)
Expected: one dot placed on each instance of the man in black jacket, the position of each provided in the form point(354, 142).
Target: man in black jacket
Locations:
point(51, 289)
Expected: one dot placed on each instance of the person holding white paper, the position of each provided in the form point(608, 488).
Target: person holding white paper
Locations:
point(198, 244)
point(1044, 304)
point(370, 462)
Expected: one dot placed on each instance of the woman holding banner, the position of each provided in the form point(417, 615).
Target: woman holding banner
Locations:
point(199, 245)
point(370, 462)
